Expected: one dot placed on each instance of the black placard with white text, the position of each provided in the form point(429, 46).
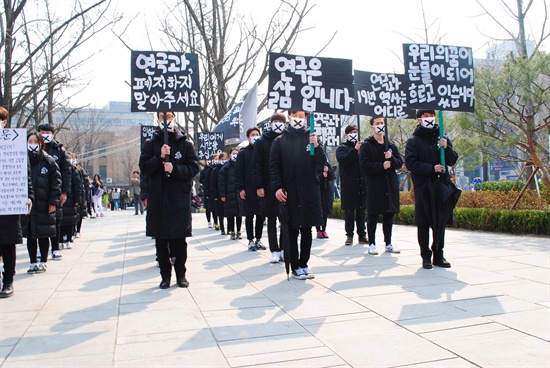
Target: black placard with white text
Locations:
point(328, 128)
point(209, 144)
point(380, 94)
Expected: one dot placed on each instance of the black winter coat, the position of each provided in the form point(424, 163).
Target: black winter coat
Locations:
point(204, 179)
point(382, 186)
point(327, 195)
point(293, 169)
point(352, 183)
point(227, 188)
point(10, 225)
point(421, 155)
point(55, 150)
point(169, 198)
point(269, 205)
point(216, 202)
point(74, 196)
point(85, 190)
point(46, 182)
point(244, 180)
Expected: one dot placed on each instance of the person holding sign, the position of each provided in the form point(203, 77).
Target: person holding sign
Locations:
point(352, 186)
point(422, 158)
point(293, 174)
point(169, 197)
point(39, 226)
point(10, 230)
point(379, 159)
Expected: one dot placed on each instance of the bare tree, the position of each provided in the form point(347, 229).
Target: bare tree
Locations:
point(39, 47)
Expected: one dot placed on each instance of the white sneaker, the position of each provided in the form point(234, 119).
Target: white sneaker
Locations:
point(42, 267)
point(33, 268)
point(372, 249)
point(392, 249)
point(275, 257)
point(299, 274)
point(68, 246)
point(308, 273)
point(77, 234)
point(56, 254)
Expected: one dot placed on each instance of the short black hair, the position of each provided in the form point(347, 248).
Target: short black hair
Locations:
point(420, 112)
point(371, 120)
point(135, 172)
point(250, 130)
point(349, 128)
point(46, 128)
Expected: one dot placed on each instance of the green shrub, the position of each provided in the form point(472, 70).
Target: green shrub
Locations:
point(505, 186)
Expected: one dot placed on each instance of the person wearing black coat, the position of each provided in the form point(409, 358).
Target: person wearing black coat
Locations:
point(204, 180)
point(326, 175)
point(269, 205)
point(379, 161)
point(85, 190)
point(247, 192)
point(208, 194)
point(39, 225)
point(422, 158)
point(352, 186)
point(229, 195)
point(56, 150)
point(214, 192)
point(70, 209)
point(293, 173)
point(10, 230)
point(170, 169)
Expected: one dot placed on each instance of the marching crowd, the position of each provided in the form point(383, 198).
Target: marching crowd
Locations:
point(282, 175)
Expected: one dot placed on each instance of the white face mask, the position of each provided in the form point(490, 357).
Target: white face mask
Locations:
point(234, 157)
point(47, 138)
point(254, 138)
point(170, 125)
point(297, 123)
point(278, 127)
point(33, 147)
point(379, 129)
point(428, 122)
point(352, 137)
point(73, 162)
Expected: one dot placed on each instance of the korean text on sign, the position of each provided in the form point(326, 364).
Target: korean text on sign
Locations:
point(328, 127)
point(310, 84)
point(14, 190)
point(209, 144)
point(439, 77)
point(165, 81)
point(380, 94)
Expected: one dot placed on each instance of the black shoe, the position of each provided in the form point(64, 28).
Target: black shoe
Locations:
point(442, 262)
point(164, 284)
point(183, 283)
point(222, 233)
point(427, 265)
point(7, 291)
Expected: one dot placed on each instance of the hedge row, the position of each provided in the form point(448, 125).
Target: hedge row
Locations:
point(484, 219)
point(505, 186)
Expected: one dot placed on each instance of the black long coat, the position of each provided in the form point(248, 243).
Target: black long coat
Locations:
point(227, 188)
point(327, 195)
point(61, 158)
point(421, 155)
point(214, 190)
point(352, 183)
point(10, 225)
point(245, 180)
point(382, 186)
point(169, 198)
point(85, 188)
point(205, 189)
point(269, 205)
point(46, 182)
point(74, 196)
point(292, 168)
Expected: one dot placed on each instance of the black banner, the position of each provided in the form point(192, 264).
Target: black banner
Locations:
point(209, 143)
point(146, 132)
point(381, 94)
point(165, 81)
point(439, 77)
point(328, 127)
point(310, 84)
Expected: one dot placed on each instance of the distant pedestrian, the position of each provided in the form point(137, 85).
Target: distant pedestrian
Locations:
point(98, 190)
point(135, 192)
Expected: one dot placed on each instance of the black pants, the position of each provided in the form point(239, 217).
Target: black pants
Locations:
point(387, 224)
point(67, 231)
point(55, 239)
point(254, 231)
point(138, 202)
point(208, 216)
point(171, 248)
point(324, 226)
point(272, 234)
point(7, 252)
point(32, 247)
point(356, 216)
point(221, 223)
point(424, 241)
point(231, 224)
point(299, 259)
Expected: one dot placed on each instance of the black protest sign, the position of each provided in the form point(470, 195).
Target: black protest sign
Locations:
point(439, 77)
point(380, 94)
point(310, 84)
point(146, 132)
point(209, 143)
point(165, 81)
point(328, 127)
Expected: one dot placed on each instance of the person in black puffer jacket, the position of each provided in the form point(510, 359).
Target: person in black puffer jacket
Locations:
point(70, 208)
point(40, 225)
point(326, 175)
point(229, 195)
point(215, 193)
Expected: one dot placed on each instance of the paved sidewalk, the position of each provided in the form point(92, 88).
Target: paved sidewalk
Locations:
point(101, 307)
